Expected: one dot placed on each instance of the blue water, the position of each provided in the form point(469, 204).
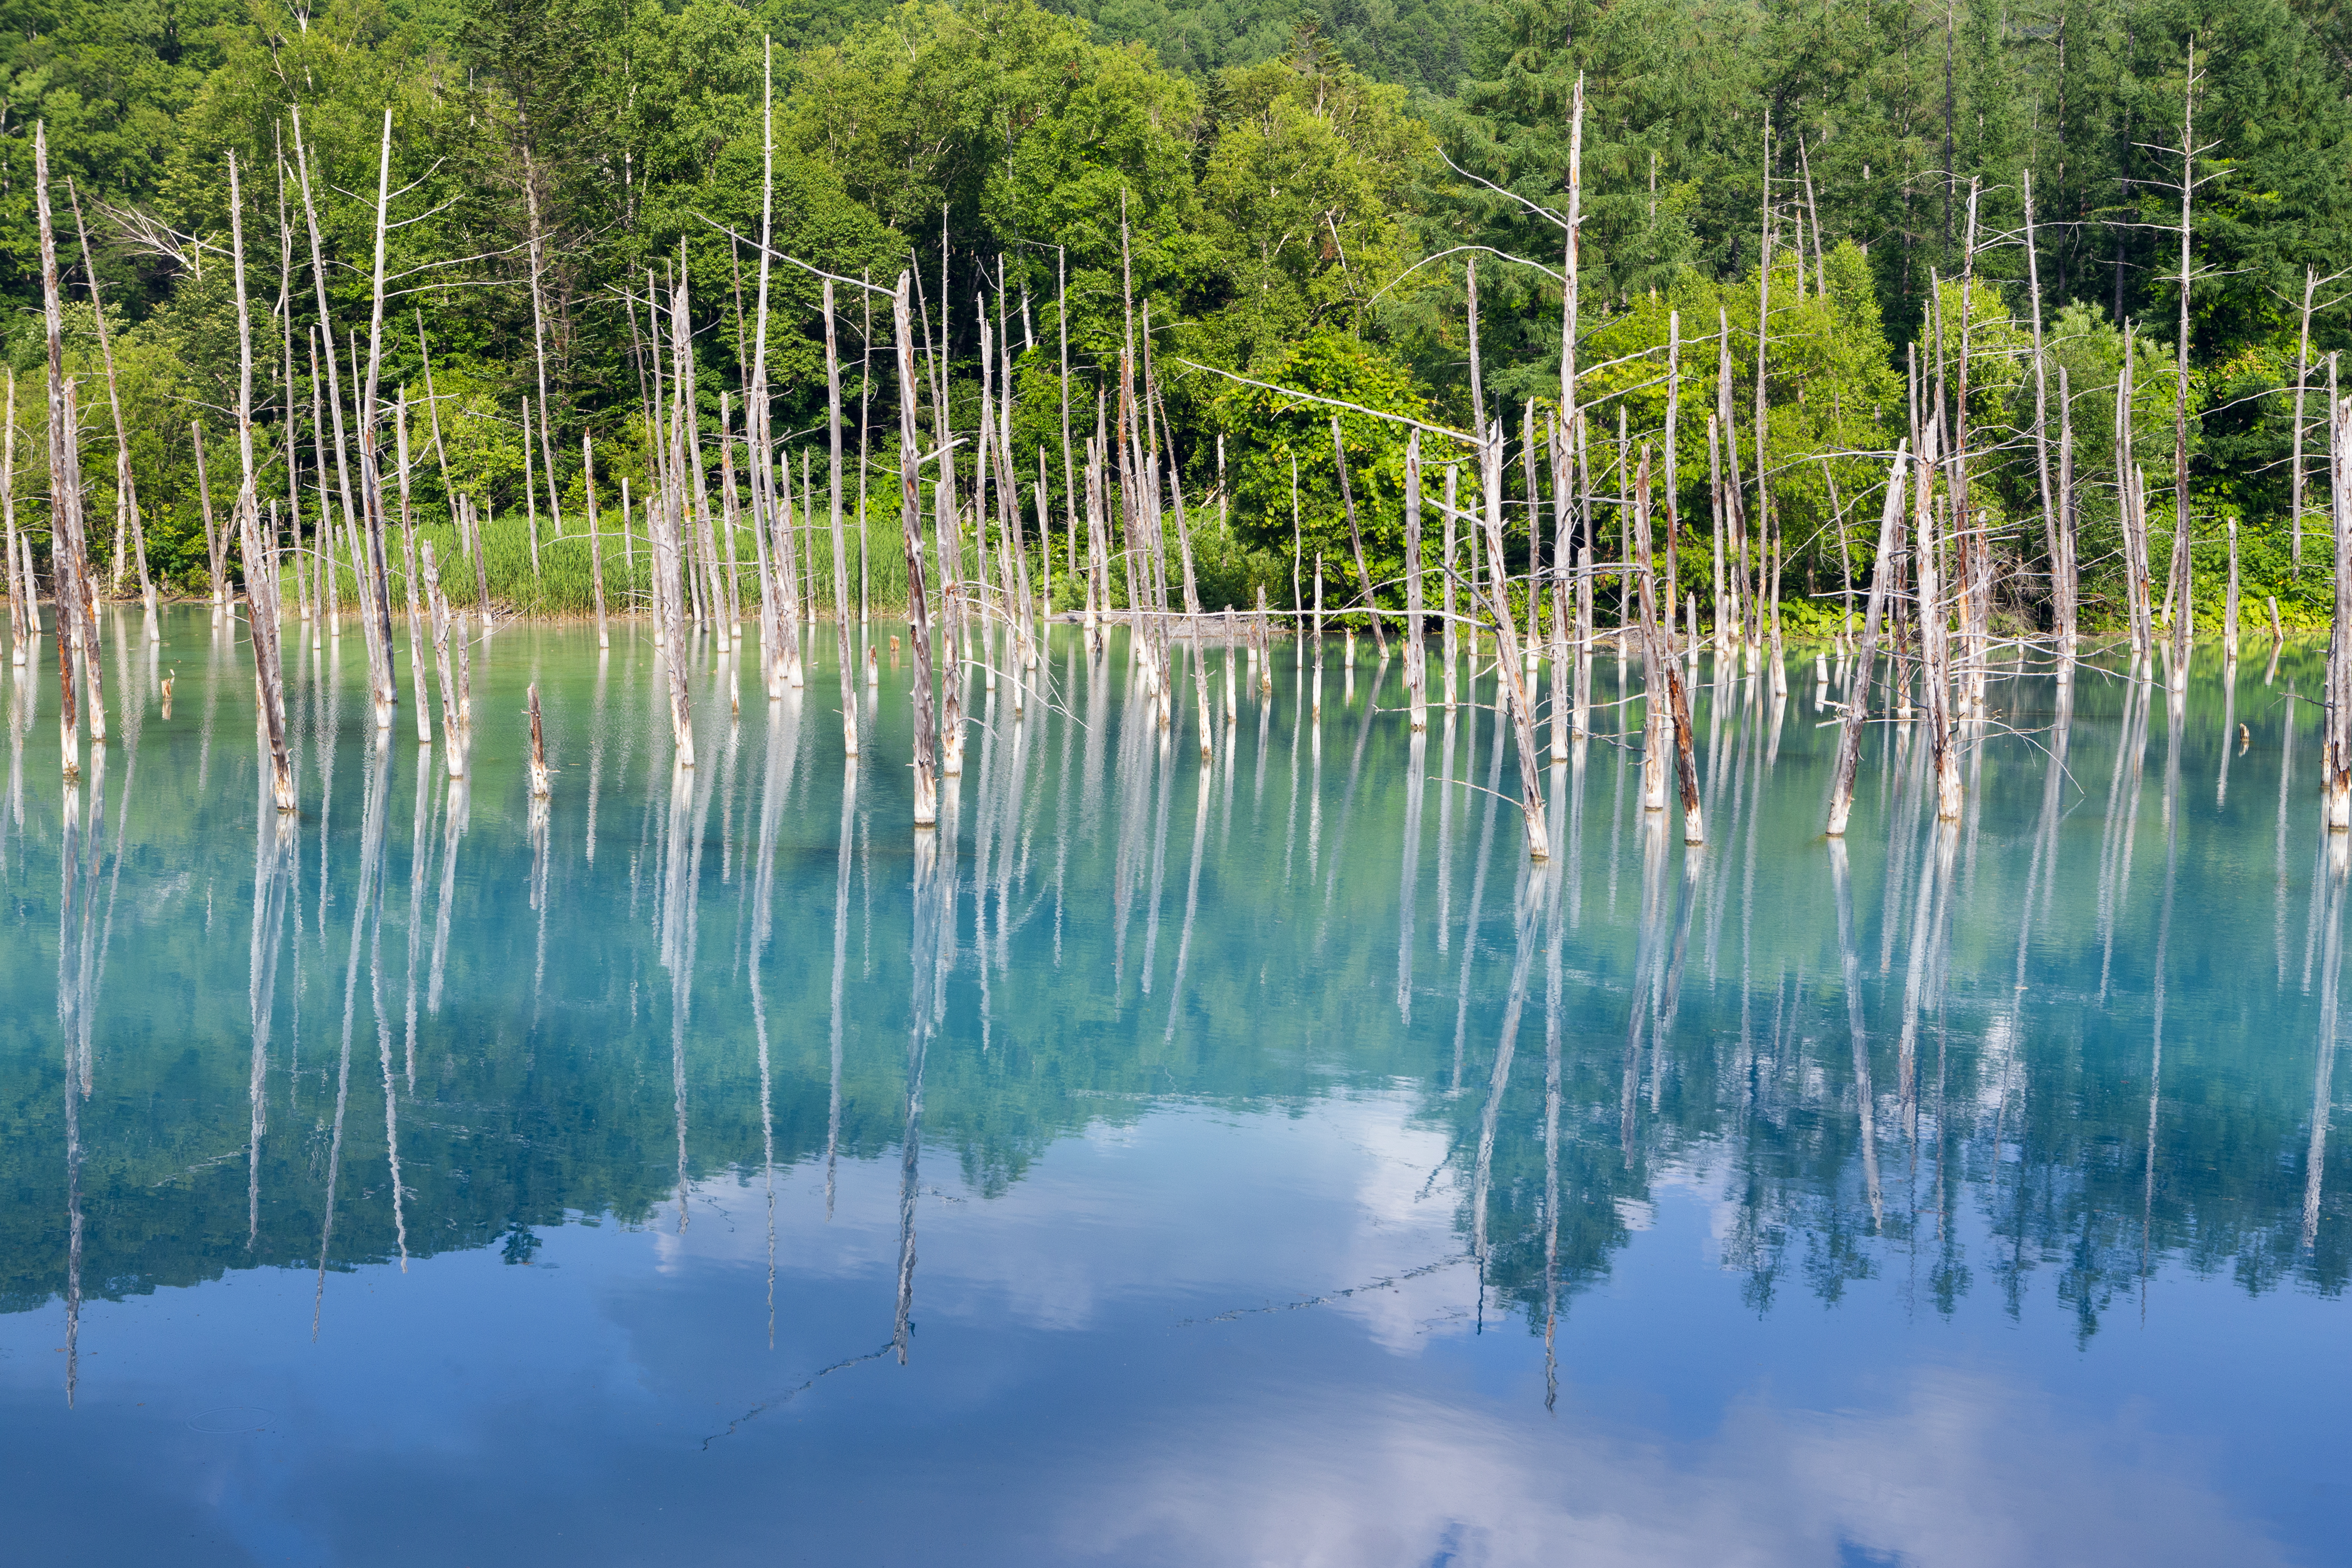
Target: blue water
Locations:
point(1259, 1162)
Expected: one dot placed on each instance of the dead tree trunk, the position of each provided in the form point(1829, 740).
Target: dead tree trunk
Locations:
point(840, 560)
point(2336, 766)
point(65, 489)
point(261, 596)
point(126, 488)
point(1882, 584)
point(919, 601)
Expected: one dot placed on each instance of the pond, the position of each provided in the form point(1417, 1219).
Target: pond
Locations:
point(1256, 1161)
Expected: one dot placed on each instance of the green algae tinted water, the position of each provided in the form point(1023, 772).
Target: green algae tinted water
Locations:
point(1259, 1162)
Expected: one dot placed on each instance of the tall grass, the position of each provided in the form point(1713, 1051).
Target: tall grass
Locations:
point(564, 585)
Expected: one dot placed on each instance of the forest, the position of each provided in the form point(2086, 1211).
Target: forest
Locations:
point(1824, 216)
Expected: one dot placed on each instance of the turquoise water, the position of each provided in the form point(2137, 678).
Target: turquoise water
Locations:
point(1255, 1163)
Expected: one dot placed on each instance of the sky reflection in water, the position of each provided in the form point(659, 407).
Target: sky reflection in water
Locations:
point(1163, 1174)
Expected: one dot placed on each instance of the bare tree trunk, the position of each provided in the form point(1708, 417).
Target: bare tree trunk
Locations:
point(376, 567)
point(1657, 722)
point(1763, 319)
point(2129, 502)
point(334, 386)
point(840, 561)
point(1735, 533)
point(530, 495)
point(1882, 584)
point(125, 489)
point(20, 587)
point(1448, 631)
point(541, 786)
point(2302, 380)
point(919, 601)
point(1563, 663)
point(1934, 640)
point(2066, 575)
point(408, 563)
point(453, 728)
point(2336, 766)
point(2182, 591)
point(216, 540)
point(64, 489)
point(595, 541)
point(2229, 604)
point(261, 598)
point(1714, 533)
point(433, 413)
point(773, 617)
point(1672, 473)
point(537, 335)
point(667, 517)
point(1416, 675)
point(1507, 667)
point(2042, 419)
point(1355, 540)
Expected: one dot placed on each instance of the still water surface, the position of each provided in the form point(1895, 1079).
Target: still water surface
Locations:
point(1262, 1163)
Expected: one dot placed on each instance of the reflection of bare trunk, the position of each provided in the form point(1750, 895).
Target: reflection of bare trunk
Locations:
point(1408, 880)
point(1477, 893)
point(1191, 891)
point(2229, 723)
point(840, 963)
point(1919, 980)
point(420, 860)
point(678, 925)
point(1553, 984)
point(1523, 954)
point(1641, 1007)
point(69, 1030)
point(273, 852)
point(2156, 1045)
point(455, 812)
point(923, 941)
point(366, 911)
point(1865, 1101)
point(384, 1040)
point(2322, 1098)
point(2278, 848)
point(780, 732)
point(2122, 824)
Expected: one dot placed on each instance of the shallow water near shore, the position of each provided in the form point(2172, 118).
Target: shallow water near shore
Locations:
point(1260, 1162)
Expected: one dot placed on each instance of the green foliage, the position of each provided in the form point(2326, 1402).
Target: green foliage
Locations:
point(1286, 480)
point(1264, 185)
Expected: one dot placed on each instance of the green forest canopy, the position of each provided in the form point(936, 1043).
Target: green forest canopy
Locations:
point(1303, 189)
